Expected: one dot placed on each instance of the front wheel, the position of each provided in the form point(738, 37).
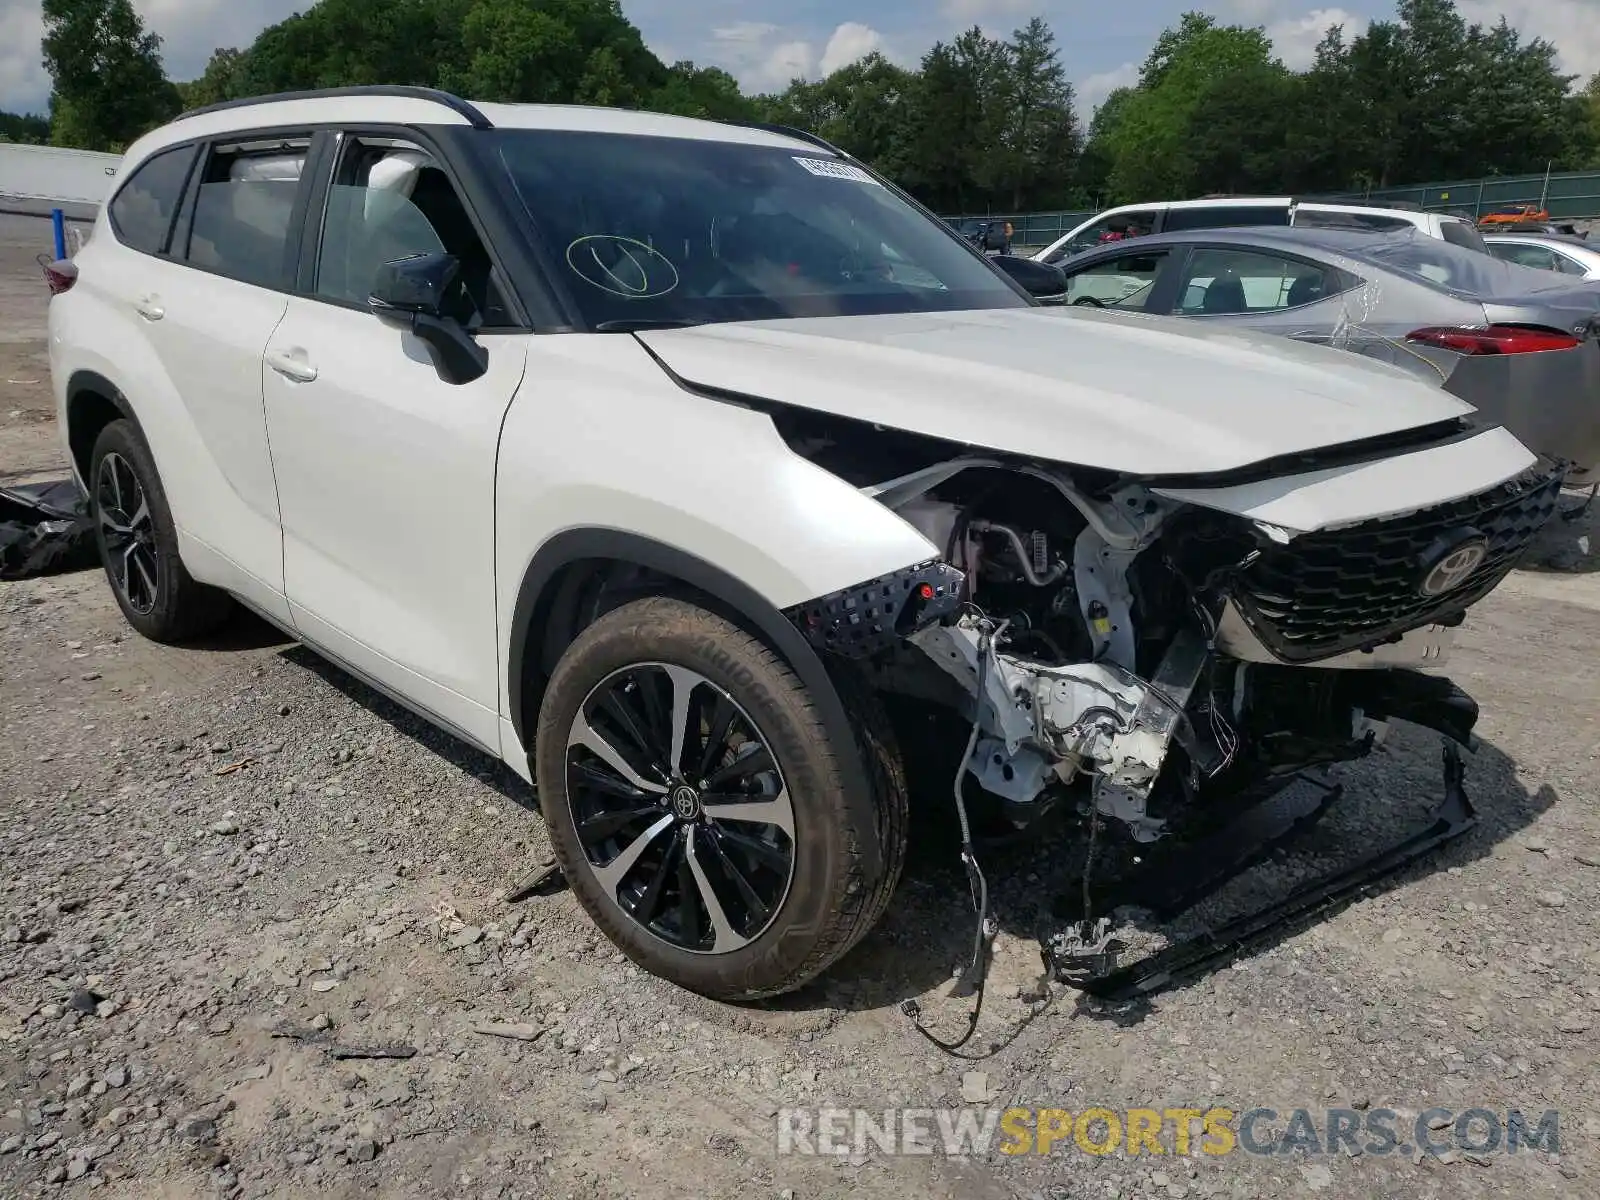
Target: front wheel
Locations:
point(696, 806)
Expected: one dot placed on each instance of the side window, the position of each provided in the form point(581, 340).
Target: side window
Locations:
point(392, 200)
point(1115, 228)
point(1570, 266)
point(142, 211)
point(242, 210)
point(1539, 257)
point(1124, 282)
point(1312, 218)
point(1222, 282)
point(1225, 218)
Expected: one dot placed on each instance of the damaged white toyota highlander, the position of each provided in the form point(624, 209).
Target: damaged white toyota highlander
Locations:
point(687, 466)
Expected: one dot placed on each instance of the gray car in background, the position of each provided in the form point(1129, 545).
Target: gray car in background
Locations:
point(1521, 345)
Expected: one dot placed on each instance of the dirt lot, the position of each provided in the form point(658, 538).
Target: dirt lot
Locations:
point(202, 847)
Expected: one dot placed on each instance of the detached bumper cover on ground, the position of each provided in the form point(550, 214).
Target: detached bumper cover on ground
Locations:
point(44, 527)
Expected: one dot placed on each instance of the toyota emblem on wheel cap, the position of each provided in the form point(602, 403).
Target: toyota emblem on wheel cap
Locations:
point(1449, 569)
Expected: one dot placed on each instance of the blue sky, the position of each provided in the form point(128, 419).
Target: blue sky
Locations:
point(766, 42)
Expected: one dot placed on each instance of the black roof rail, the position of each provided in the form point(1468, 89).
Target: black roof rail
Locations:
point(791, 131)
point(392, 90)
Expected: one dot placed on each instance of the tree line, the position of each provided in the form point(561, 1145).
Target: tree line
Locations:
point(980, 123)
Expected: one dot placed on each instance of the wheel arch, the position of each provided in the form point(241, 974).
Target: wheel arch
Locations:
point(576, 556)
point(93, 402)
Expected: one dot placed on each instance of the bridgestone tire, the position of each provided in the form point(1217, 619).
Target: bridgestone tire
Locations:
point(831, 900)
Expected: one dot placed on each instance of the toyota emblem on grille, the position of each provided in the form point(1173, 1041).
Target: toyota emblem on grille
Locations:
point(1451, 565)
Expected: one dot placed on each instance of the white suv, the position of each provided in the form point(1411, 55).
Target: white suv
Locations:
point(662, 458)
point(1136, 220)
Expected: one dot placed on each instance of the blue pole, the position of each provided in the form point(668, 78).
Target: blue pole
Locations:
point(59, 220)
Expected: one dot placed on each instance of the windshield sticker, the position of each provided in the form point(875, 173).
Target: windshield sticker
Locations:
point(829, 168)
point(623, 266)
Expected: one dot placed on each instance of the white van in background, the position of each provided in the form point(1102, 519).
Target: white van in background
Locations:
point(1137, 220)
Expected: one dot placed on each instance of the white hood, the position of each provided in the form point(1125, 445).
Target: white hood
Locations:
point(1124, 392)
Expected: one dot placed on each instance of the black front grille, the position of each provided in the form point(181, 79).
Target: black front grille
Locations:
point(1349, 589)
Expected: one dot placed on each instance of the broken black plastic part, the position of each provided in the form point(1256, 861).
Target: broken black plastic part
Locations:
point(547, 880)
point(860, 621)
point(1177, 875)
point(44, 527)
point(1319, 898)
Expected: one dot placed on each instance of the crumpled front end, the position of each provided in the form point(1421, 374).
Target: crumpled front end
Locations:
point(1120, 644)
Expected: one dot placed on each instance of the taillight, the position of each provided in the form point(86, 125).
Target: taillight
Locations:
point(60, 275)
point(1493, 339)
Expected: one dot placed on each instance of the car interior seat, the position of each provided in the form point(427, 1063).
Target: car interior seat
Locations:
point(1225, 295)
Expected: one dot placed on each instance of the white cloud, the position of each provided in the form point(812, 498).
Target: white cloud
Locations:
point(766, 57)
point(1093, 90)
point(23, 82)
point(1296, 38)
point(850, 43)
point(1569, 25)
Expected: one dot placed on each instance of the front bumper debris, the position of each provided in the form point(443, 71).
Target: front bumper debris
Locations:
point(1087, 953)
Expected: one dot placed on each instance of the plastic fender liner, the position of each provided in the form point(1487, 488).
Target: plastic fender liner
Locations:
point(576, 545)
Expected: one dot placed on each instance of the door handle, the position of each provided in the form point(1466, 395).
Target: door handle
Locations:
point(148, 308)
point(291, 364)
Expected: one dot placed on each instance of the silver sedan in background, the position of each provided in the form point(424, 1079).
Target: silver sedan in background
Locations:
point(1520, 345)
point(1573, 256)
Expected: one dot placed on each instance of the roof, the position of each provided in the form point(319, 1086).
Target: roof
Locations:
point(1536, 237)
point(426, 106)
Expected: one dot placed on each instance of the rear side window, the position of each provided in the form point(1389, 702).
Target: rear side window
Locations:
point(142, 212)
point(1541, 258)
point(1312, 218)
point(1223, 281)
point(1225, 218)
point(243, 210)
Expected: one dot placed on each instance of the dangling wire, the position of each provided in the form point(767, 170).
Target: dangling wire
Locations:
point(977, 972)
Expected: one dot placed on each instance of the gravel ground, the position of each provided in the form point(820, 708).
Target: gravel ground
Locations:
point(210, 848)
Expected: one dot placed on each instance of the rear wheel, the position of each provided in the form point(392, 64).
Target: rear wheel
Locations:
point(697, 808)
point(139, 543)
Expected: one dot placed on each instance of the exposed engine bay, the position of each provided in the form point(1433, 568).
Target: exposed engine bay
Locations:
point(1159, 655)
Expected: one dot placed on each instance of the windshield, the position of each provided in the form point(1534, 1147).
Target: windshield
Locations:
point(651, 230)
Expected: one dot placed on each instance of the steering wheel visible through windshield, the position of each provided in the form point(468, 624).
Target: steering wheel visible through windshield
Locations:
point(647, 230)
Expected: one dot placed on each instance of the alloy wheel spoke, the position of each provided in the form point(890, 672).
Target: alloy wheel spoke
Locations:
point(747, 892)
point(146, 573)
point(583, 734)
point(721, 721)
point(648, 906)
point(770, 856)
point(689, 908)
point(725, 937)
point(611, 875)
point(608, 824)
point(590, 774)
point(615, 707)
point(684, 683)
point(755, 762)
point(772, 810)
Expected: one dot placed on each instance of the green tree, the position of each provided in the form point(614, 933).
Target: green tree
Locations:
point(223, 79)
point(706, 92)
point(106, 67)
point(1207, 114)
point(24, 128)
point(1038, 144)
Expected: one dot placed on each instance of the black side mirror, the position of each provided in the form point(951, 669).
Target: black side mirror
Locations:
point(411, 293)
point(1036, 278)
